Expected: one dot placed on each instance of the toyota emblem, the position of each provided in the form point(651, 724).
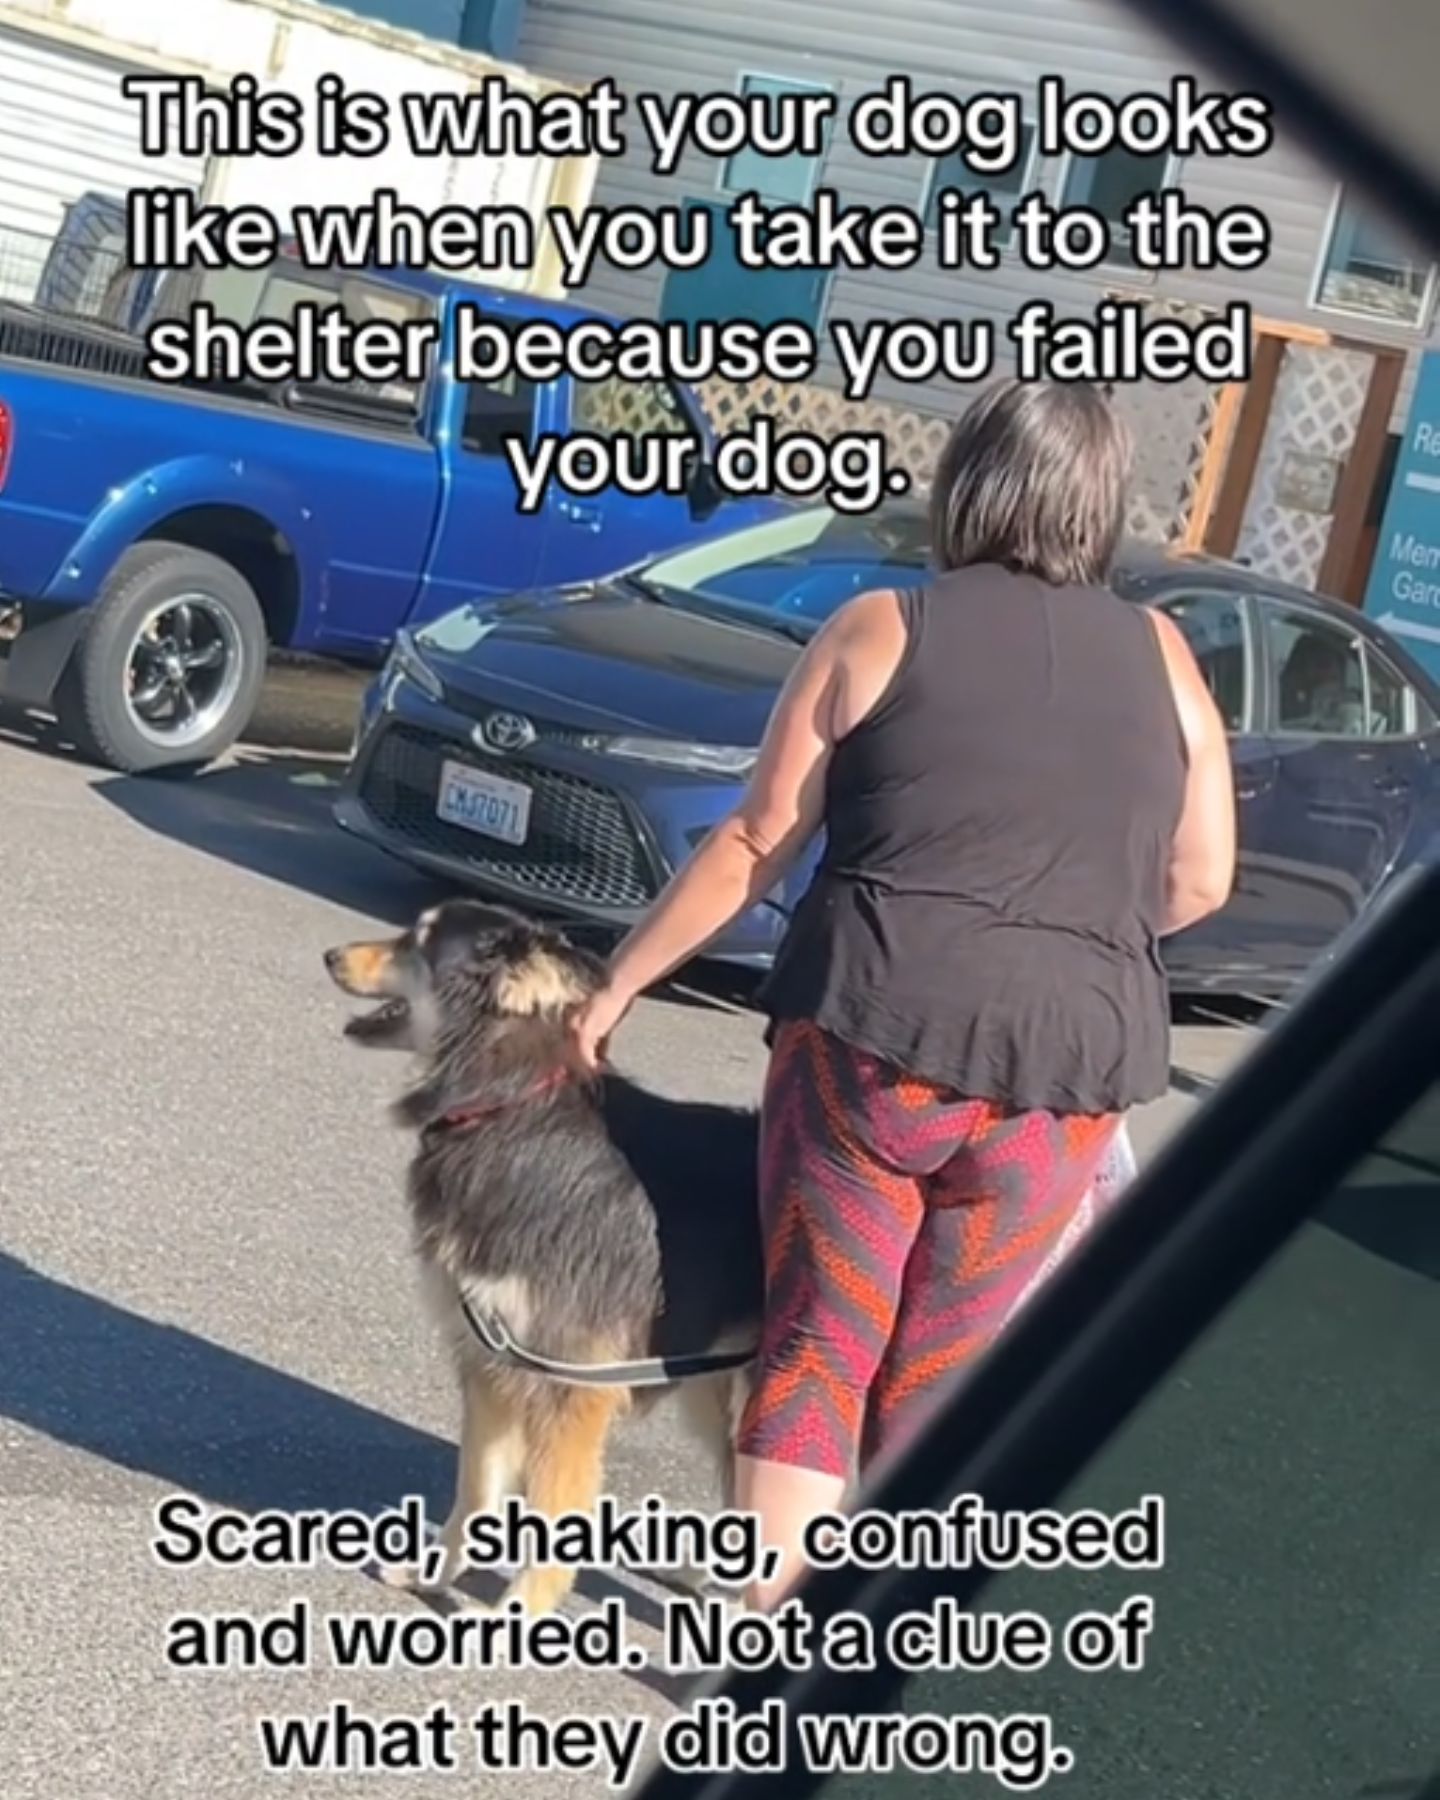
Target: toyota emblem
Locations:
point(506, 732)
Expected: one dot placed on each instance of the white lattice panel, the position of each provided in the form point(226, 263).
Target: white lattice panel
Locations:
point(915, 438)
point(1316, 413)
point(1170, 424)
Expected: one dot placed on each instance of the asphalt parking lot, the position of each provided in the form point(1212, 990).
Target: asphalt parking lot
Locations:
point(203, 1278)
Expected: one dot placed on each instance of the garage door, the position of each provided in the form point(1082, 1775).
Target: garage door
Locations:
point(65, 130)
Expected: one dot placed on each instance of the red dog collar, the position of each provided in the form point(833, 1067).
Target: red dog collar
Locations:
point(472, 1113)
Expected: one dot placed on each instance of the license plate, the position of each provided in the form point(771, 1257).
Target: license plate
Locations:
point(484, 804)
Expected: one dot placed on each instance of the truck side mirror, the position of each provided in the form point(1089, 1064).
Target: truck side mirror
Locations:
point(705, 494)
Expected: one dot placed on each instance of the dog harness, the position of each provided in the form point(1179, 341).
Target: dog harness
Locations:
point(494, 1334)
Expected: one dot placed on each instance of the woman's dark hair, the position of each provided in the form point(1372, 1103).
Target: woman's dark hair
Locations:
point(1034, 477)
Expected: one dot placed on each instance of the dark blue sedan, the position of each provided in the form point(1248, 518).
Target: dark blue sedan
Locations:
point(565, 750)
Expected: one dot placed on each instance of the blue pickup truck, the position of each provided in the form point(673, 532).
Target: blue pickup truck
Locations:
point(157, 540)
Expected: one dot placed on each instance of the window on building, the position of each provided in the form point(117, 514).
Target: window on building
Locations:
point(782, 180)
point(722, 288)
point(1006, 187)
point(1365, 269)
point(1109, 182)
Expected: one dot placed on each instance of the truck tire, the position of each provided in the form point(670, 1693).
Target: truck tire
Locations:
point(169, 670)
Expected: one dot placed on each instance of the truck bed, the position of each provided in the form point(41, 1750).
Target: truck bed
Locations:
point(64, 343)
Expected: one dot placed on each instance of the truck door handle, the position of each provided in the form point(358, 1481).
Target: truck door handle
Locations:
point(587, 516)
point(1251, 787)
point(1392, 786)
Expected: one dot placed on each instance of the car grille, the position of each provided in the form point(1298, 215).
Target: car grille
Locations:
point(582, 846)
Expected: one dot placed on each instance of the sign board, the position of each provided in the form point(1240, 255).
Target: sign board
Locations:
point(1403, 594)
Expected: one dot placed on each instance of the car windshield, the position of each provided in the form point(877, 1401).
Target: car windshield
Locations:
point(795, 570)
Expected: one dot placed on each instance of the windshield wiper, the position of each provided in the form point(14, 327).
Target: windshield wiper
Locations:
point(638, 584)
point(725, 612)
point(782, 627)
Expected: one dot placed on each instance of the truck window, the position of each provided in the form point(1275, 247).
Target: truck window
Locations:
point(274, 293)
point(496, 411)
point(619, 408)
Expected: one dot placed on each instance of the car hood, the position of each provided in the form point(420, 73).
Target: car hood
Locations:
point(606, 657)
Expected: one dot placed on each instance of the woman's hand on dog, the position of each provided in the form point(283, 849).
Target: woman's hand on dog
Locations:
point(594, 1021)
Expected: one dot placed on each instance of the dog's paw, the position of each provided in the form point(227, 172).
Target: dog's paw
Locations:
point(439, 1569)
point(406, 1577)
point(689, 1578)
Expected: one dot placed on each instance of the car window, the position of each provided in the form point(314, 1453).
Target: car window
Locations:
point(1295, 1639)
point(1214, 625)
point(496, 411)
point(1317, 675)
point(1391, 701)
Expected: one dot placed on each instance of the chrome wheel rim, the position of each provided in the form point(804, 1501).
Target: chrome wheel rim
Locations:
point(184, 669)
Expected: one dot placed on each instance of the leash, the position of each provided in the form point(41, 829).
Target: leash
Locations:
point(647, 1371)
point(492, 1332)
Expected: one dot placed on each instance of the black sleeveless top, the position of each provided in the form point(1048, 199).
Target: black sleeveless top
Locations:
point(987, 910)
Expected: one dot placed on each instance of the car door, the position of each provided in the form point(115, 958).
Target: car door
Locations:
point(483, 545)
point(1349, 769)
point(596, 534)
point(369, 481)
point(1230, 949)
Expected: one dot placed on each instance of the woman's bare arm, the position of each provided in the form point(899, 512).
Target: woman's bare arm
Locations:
point(833, 684)
point(1202, 856)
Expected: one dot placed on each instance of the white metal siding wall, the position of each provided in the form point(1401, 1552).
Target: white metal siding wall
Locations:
point(288, 42)
point(674, 46)
point(65, 129)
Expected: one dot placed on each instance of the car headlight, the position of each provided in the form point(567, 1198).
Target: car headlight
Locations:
point(407, 664)
point(675, 753)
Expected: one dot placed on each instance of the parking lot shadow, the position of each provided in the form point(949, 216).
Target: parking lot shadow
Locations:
point(164, 1402)
point(269, 812)
point(161, 1401)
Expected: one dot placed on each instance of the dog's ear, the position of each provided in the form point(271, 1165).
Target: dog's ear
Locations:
point(457, 939)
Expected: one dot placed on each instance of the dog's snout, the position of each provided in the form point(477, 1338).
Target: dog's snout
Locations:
point(365, 970)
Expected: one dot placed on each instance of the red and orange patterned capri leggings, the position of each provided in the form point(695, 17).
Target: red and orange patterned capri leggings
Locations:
point(901, 1224)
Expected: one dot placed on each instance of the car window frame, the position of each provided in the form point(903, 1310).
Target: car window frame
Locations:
point(1319, 1094)
point(1283, 603)
point(1244, 604)
point(1413, 728)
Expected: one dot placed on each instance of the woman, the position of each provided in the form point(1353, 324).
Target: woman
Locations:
point(1024, 784)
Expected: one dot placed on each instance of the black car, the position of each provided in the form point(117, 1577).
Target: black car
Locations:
point(566, 749)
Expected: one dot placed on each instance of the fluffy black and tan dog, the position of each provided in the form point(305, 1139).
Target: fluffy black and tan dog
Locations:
point(597, 1222)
